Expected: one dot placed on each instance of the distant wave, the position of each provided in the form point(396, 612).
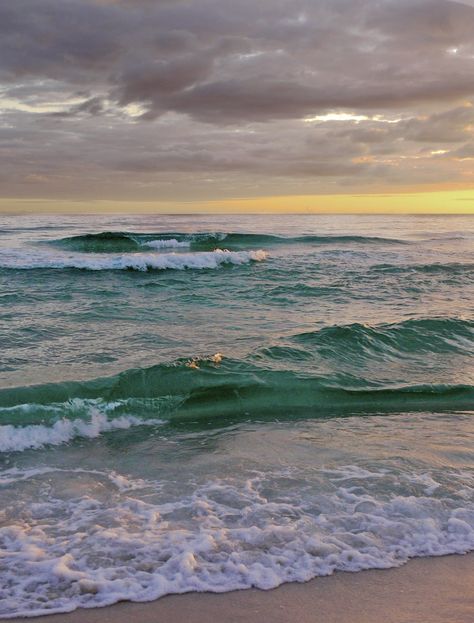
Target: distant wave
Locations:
point(129, 261)
point(103, 242)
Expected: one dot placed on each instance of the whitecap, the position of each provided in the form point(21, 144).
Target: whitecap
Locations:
point(34, 436)
point(168, 243)
point(129, 261)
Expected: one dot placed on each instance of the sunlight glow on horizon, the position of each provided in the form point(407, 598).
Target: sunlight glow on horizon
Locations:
point(443, 202)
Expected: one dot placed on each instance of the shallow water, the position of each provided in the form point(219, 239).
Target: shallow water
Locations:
point(210, 403)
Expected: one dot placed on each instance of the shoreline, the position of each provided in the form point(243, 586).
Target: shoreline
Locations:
point(434, 589)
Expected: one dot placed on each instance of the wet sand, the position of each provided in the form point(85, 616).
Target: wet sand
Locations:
point(426, 590)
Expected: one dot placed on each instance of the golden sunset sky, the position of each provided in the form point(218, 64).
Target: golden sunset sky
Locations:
point(228, 106)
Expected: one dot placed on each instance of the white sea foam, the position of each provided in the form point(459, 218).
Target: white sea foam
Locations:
point(128, 261)
point(114, 543)
point(78, 417)
point(34, 436)
point(171, 243)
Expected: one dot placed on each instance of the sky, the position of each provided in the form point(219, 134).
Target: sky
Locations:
point(237, 105)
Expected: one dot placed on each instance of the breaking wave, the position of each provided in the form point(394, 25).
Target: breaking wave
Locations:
point(129, 261)
point(216, 391)
point(198, 399)
point(34, 436)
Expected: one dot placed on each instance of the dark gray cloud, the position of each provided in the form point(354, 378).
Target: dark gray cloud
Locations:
point(217, 97)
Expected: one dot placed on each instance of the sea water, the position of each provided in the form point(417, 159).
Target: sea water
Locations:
point(209, 403)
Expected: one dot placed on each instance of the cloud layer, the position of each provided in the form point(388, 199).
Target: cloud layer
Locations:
point(183, 99)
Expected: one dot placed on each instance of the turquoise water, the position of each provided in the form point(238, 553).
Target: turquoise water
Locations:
point(212, 403)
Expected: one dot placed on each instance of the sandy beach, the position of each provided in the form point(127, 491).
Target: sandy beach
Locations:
point(434, 590)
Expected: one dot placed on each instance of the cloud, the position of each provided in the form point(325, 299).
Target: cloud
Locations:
point(451, 126)
point(218, 60)
point(215, 92)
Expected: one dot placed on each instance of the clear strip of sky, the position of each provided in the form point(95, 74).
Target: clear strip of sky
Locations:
point(447, 202)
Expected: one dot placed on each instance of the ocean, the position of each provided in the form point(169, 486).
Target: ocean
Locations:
point(210, 403)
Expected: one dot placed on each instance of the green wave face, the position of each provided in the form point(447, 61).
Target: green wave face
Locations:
point(111, 242)
point(421, 336)
point(203, 393)
point(239, 395)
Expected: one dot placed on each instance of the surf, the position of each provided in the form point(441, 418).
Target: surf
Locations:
point(142, 262)
point(204, 393)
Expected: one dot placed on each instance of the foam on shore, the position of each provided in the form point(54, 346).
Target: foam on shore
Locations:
point(117, 541)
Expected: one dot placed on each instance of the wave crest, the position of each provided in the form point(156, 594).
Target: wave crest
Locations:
point(35, 436)
point(192, 394)
point(130, 261)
